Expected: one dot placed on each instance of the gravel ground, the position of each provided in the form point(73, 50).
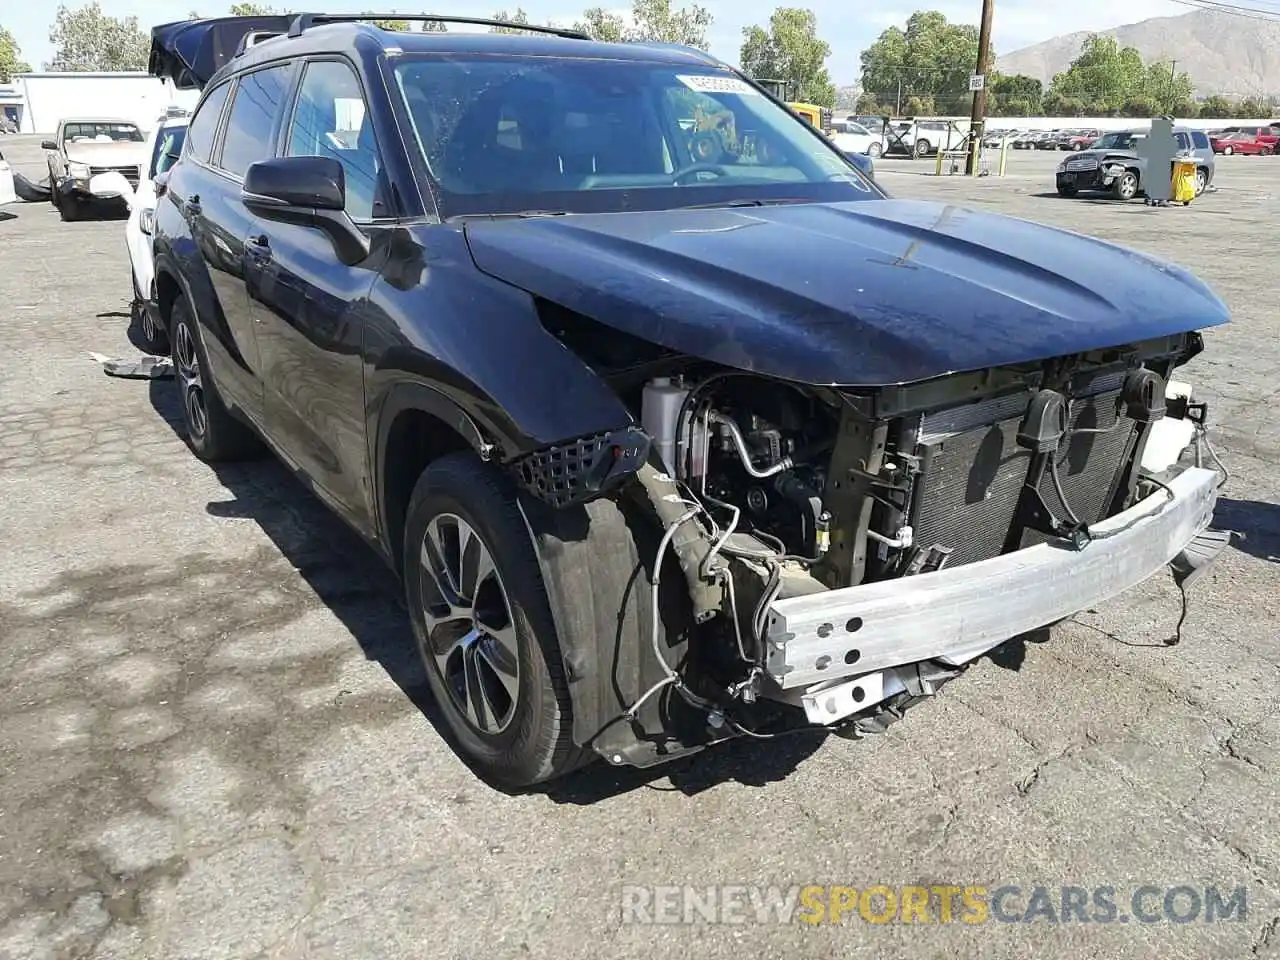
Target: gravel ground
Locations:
point(212, 741)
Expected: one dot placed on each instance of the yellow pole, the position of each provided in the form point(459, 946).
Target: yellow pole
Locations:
point(1004, 152)
point(938, 172)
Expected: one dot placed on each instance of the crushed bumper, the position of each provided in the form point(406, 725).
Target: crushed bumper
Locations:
point(954, 615)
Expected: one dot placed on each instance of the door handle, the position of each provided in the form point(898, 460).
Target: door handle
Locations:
point(192, 205)
point(260, 242)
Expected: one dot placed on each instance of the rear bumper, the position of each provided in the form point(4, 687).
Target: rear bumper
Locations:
point(956, 614)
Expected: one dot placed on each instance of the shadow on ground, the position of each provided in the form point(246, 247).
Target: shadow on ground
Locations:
point(357, 587)
point(1258, 524)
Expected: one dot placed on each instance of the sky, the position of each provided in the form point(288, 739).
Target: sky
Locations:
point(1017, 23)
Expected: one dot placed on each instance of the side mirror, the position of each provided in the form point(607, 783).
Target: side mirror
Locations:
point(48, 145)
point(110, 185)
point(308, 191)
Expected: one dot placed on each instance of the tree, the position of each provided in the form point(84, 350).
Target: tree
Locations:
point(86, 40)
point(790, 50)
point(651, 21)
point(389, 24)
point(1171, 92)
point(9, 62)
point(519, 16)
point(1252, 108)
point(601, 24)
point(1216, 107)
point(253, 10)
point(1014, 96)
point(930, 60)
point(1103, 76)
point(434, 26)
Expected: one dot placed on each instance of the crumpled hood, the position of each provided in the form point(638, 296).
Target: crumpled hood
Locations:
point(864, 293)
point(119, 153)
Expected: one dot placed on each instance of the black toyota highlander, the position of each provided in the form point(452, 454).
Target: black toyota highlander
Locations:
point(666, 446)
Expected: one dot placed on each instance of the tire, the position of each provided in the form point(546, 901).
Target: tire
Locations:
point(151, 337)
point(1077, 147)
point(212, 433)
point(923, 147)
point(494, 667)
point(1068, 191)
point(1126, 186)
point(874, 151)
point(1228, 151)
point(1202, 180)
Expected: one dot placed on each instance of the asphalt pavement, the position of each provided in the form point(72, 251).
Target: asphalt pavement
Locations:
point(213, 741)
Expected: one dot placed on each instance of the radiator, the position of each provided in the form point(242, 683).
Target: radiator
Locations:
point(972, 470)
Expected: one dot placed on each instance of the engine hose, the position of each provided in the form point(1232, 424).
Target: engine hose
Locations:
point(687, 542)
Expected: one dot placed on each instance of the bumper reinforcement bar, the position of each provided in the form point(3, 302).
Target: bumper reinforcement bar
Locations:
point(954, 615)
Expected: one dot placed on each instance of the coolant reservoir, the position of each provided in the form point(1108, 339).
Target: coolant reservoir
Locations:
point(660, 405)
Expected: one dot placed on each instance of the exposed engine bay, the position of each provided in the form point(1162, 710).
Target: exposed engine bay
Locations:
point(785, 492)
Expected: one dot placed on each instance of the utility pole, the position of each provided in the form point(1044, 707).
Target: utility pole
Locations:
point(977, 120)
point(1173, 80)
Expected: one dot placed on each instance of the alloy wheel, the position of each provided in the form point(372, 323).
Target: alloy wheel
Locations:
point(186, 364)
point(470, 635)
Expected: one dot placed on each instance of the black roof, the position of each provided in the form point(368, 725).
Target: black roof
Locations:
point(195, 52)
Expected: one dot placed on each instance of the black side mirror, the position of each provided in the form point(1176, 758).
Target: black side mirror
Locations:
point(48, 145)
point(308, 191)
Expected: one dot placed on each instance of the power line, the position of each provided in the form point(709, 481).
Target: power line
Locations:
point(1233, 9)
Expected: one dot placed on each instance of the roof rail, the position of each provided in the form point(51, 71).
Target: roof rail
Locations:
point(255, 37)
point(307, 20)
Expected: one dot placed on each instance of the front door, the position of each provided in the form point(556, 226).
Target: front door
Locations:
point(310, 308)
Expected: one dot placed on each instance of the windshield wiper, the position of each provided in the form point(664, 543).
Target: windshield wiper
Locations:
point(745, 202)
point(514, 215)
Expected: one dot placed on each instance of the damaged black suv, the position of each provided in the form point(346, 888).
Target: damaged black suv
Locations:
point(675, 426)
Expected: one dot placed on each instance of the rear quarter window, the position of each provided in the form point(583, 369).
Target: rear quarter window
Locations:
point(205, 123)
point(1200, 140)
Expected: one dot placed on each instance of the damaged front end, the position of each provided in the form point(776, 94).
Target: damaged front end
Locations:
point(842, 552)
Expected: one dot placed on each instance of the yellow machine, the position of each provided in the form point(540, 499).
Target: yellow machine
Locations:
point(814, 114)
point(1184, 180)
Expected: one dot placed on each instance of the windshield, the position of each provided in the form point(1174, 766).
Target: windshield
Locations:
point(102, 132)
point(513, 134)
point(1125, 140)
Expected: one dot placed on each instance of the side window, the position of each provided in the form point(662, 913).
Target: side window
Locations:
point(205, 123)
point(168, 147)
point(1184, 142)
point(252, 118)
point(330, 120)
point(1200, 140)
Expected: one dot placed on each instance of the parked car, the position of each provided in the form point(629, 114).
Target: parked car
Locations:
point(1048, 140)
point(1240, 142)
point(1268, 136)
point(648, 485)
point(854, 138)
point(7, 193)
point(1025, 139)
point(83, 147)
point(163, 149)
point(1113, 165)
point(1077, 140)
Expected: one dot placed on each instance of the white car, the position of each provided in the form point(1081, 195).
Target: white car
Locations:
point(163, 148)
point(853, 137)
point(6, 183)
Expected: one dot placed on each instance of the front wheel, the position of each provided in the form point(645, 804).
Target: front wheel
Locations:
point(152, 336)
point(484, 627)
point(1068, 190)
point(212, 433)
point(874, 151)
point(1126, 186)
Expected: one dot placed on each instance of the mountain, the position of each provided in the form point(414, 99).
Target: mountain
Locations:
point(1233, 55)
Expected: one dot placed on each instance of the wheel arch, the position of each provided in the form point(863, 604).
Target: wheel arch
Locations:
point(416, 425)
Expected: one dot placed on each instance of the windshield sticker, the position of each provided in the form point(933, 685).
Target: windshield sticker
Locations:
point(704, 83)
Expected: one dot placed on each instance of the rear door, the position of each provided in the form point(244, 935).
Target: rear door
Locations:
point(311, 308)
point(221, 223)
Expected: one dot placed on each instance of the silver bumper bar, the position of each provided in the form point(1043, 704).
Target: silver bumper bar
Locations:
point(955, 615)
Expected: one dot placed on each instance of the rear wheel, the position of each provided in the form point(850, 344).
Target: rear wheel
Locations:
point(1228, 151)
point(1125, 186)
point(874, 151)
point(484, 627)
point(1202, 180)
point(212, 433)
point(923, 147)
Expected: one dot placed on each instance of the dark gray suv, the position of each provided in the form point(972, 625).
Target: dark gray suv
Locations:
point(1113, 165)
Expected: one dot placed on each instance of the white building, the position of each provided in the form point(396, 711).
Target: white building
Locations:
point(140, 97)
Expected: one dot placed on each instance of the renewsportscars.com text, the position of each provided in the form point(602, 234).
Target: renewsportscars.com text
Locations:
point(816, 904)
